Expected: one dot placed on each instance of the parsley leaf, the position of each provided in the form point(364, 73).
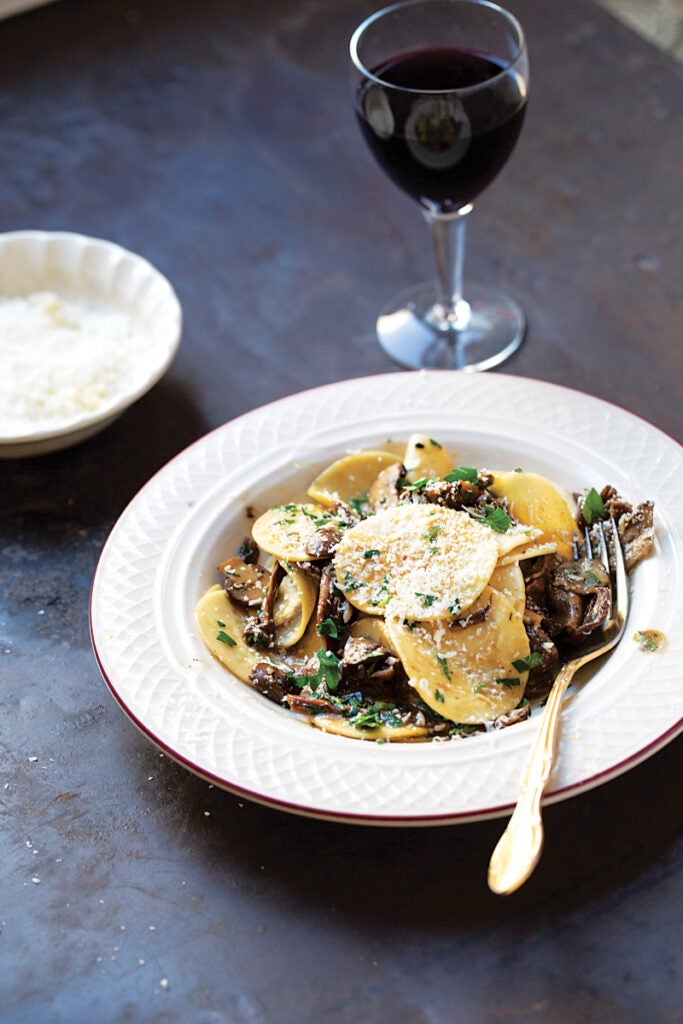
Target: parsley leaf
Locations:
point(593, 507)
point(444, 666)
point(328, 673)
point(361, 506)
point(497, 518)
point(508, 681)
point(327, 628)
point(649, 643)
point(406, 485)
point(349, 582)
point(533, 660)
point(377, 714)
point(468, 473)
point(225, 638)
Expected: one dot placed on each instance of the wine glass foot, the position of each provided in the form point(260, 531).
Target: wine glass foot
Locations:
point(410, 334)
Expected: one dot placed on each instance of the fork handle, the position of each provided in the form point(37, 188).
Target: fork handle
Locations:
point(519, 848)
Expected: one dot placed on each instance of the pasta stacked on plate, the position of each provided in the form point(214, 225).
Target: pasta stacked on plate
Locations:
point(392, 603)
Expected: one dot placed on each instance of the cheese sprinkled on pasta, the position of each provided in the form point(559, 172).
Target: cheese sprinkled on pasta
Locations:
point(419, 562)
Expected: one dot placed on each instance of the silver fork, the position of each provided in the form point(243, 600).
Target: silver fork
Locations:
point(519, 848)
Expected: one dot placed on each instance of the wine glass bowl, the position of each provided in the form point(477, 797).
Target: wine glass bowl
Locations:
point(440, 90)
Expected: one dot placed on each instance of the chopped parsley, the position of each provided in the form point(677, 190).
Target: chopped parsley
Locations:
point(327, 628)
point(497, 518)
point(433, 531)
point(376, 715)
point(649, 640)
point(431, 535)
point(328, 674)
point(225, 638)
point(508, 681)
point(349, 582)
point(468, 473)
point(593, 507)
point(406, 485)
point(246, 552)
point(383, 597)
point(439, 696)
point(371, 553)
point(360, 505)
point(533, 660)
point(427, 599)
point(443, 662)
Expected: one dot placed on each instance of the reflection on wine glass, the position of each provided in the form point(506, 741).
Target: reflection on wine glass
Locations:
point(440, 90)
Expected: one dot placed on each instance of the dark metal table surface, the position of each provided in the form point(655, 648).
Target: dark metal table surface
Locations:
point(217, 139)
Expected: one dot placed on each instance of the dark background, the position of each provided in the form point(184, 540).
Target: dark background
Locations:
point(217, 139)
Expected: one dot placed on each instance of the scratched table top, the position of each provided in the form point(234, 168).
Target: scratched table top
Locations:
point(217, 139)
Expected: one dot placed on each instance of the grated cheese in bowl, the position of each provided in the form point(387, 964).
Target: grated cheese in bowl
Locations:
point(86, 328)
point(60, 359)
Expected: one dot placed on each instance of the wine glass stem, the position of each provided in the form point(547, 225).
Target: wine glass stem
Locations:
point(451, 313)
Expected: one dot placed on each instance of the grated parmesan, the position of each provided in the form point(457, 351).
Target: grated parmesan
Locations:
point(419, 562)
point(63, 360)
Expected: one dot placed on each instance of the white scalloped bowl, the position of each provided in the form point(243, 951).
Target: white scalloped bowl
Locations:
point(92, 270)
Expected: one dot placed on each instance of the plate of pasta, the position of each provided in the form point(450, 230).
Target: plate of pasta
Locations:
point(350, 603)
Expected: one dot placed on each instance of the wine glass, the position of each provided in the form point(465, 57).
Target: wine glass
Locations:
point(440, 92)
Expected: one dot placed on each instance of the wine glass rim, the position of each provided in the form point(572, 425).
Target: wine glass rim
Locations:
point(367, 22)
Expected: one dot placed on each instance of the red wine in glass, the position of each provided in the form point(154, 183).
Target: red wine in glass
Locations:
point(440, 93)
point(442, 153)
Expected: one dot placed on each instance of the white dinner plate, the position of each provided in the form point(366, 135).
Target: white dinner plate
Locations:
point(161, 556)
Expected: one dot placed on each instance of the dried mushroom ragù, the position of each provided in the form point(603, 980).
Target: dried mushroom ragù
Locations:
point(410, 598)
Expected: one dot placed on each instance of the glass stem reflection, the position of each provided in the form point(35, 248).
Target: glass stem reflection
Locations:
point(451, 313)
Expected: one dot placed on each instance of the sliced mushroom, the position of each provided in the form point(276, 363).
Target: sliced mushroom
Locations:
point(244, 582)
point(567, 608)
point(636, 531)
point(615, 506)
point(385, 491)
point(595, 615)
point(324, 541)
point(541, 676)
point(580, 577)
point(455, 494)
point(333, 611)
point(519, 714)
point(270, 680)
point(249, 551)
point(480, 610)
point(260, 631)
point(308, 703)
point(363, 659)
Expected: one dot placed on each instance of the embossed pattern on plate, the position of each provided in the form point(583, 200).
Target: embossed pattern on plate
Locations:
point(162, 552)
